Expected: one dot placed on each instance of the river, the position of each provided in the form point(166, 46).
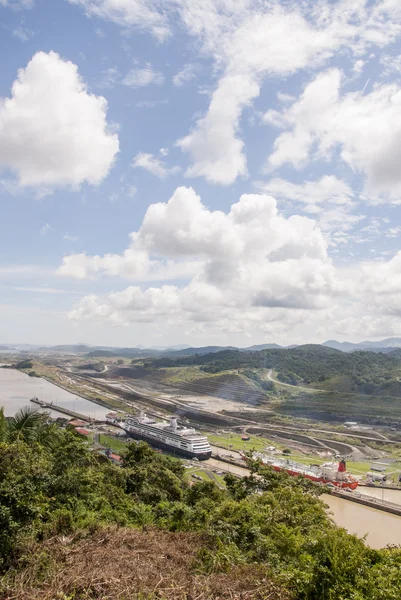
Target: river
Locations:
point(16, 390)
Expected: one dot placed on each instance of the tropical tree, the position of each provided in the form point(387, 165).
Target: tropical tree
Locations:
point(28, 425)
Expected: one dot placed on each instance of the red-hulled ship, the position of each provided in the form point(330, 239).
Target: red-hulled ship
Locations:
point(331, 472)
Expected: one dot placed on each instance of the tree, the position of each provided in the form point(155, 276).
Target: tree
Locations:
point(27, 424)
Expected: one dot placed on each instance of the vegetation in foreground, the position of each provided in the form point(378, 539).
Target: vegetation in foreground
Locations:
point(74, 526)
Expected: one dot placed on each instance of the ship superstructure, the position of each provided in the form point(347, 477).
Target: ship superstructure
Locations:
point(328, 473)
point(167, 435)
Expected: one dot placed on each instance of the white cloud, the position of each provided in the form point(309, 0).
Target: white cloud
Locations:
point(52, 132)
point(140, 14)
point(185, 75)
point(327, 189)
point(45, 229)
point(152, 164)
point(70, 238)
point(247, 262)
point(358, 66)
point(131, 191)
point(391, 64)
point(366, 129)
point(23, 33)
point(246, 271)
point(109, 78)
point(142, 77)
point(248, 42)
point(216, 152)
point(17, 4)
point(150, 103)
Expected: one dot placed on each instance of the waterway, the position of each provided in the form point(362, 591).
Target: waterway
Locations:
point(381, 528)
point(16, 390)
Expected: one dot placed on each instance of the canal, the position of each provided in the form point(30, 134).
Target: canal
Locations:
point(381, 528)
point(16, 390)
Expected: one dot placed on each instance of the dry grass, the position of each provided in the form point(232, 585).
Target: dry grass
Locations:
point(125, 564)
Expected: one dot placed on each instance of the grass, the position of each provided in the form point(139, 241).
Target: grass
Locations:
point(234, 442)
point(130, 565)
point(113, 443)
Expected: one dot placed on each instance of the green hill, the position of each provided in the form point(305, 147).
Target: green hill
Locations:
point(311, 365)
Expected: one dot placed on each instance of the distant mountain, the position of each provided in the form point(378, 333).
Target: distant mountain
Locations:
point(101, 354)
point(202, 350)
point(258, 347)
point(384, 346)
point(73, 349)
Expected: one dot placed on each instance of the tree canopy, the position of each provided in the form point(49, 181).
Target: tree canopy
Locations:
point(51, 483)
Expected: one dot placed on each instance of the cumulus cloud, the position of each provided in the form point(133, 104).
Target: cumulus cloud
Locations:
point(248, 42)
point(364, 128)
point(142, 77)
point(251, 259)
point(249, 271)
point(52, 131)
point(151, 163)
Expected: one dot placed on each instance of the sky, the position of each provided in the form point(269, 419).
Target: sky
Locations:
point(198, 172)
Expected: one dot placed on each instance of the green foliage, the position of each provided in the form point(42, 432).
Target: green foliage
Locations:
point(24, 364)
point(368, 372)
point(51, 484)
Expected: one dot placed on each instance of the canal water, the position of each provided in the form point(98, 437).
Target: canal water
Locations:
point(381, 528)
point(16, 390)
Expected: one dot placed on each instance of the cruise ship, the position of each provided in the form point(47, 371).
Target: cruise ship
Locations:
point(167, 436)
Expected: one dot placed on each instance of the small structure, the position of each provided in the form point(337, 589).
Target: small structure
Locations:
point(245, 438)
point(382, 477)
point(82, 431)
point(378, 467)
point(77, 423)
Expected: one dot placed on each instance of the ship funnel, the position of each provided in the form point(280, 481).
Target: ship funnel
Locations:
point(342, 466)
point(173, 423)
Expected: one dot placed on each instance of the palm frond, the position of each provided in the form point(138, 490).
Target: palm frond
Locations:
point(25, 425)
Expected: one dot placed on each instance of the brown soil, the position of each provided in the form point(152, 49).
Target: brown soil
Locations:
point(126, 564)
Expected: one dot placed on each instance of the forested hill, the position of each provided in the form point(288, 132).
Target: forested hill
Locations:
point(307, 364)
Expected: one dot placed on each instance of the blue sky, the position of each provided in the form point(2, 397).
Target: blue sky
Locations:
point(199, 172)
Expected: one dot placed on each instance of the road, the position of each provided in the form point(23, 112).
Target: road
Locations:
point(293, 387)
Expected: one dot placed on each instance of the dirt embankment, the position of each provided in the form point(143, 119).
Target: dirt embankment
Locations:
point(132, 565)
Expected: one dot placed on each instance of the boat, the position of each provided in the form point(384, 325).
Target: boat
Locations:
point(166, 435)
point(329, 473)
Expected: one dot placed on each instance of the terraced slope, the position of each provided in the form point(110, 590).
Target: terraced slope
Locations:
point(227, 386)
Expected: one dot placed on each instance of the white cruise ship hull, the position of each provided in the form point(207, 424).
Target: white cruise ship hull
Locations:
point(165, 445)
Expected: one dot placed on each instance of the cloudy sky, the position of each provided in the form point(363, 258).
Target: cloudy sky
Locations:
point(200, 171)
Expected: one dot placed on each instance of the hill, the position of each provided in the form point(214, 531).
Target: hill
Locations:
point(380, 346)
point(314, 365)
point(70, 348)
